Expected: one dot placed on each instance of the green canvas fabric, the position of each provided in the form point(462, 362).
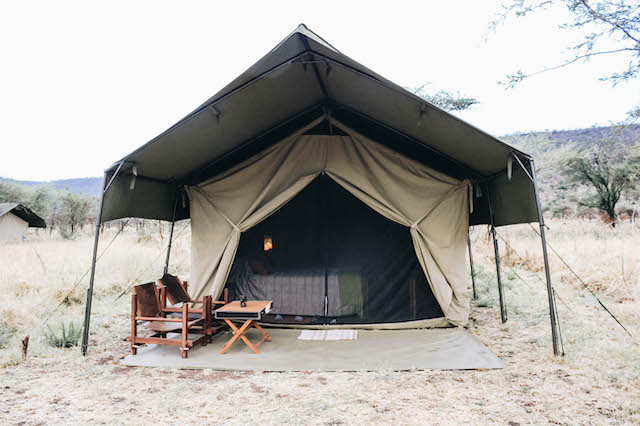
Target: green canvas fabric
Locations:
point(283, 86)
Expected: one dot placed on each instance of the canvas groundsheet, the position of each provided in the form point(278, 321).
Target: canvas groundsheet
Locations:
point(422, 349)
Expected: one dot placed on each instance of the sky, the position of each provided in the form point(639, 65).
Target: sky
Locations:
point(82, 84)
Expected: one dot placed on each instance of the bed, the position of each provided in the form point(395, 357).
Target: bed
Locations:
point(301, 291)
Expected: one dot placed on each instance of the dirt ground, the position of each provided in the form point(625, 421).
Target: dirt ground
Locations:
point(597, 382)
point(534, 388)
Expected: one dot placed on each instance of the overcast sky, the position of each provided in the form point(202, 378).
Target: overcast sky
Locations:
point(82, 84)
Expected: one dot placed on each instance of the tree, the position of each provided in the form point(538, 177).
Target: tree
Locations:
point(608, 27)
point(606, 174)
point(37, 198)
point(560, 206)
point(73, 211)
point(11, 192)
point(444, 99)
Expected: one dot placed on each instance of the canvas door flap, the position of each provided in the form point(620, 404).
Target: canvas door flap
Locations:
point(433, 205)
point(225, 206)
point(442, 242)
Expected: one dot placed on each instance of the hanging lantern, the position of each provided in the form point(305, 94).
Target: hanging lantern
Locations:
point(268, 243)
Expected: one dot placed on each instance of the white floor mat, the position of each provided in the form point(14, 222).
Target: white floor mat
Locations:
point(328, 335)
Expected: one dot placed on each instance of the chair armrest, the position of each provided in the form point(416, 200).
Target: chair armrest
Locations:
point(159, 319)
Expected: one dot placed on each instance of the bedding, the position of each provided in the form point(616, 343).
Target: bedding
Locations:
point(301, 291)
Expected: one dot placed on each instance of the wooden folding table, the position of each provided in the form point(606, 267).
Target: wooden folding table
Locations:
point(254, 311)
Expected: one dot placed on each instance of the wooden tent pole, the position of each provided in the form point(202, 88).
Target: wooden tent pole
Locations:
point(503, 306)
point(545, 255)
point(473, 274)
point(173, 223)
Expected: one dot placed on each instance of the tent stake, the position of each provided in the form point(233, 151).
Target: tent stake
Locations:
point(473, 274)
point(87, 312)
point(503, 306)
point(173, 223)
point(552, 310)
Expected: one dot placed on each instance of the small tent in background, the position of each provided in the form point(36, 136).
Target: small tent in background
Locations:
point(15, 220)
point(360, 192)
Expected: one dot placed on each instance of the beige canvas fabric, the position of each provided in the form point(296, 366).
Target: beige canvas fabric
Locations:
point(12, 228)
point(432, 205)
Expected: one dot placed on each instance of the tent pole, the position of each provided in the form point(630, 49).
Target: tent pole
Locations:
point(552, 310)
point(473, 274)
point(173, 223)
point(503, 306)
point(87, 312)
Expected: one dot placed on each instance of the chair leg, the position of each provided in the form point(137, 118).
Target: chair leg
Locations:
point(185, 352)
point(185, 329)
point(206, 308)
point(134, 326)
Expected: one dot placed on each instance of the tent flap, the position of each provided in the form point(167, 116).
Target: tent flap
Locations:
point(148, 198)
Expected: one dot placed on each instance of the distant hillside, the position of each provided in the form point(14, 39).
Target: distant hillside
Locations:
point(535, 143)
point(88, 185)
point(551, 148)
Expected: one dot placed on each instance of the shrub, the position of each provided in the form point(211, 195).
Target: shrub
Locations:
point(68, 335)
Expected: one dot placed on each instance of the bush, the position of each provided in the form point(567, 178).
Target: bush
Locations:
point(68, 337)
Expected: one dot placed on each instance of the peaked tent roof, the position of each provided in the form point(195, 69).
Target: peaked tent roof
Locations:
point(23, 213)
point(300, 79)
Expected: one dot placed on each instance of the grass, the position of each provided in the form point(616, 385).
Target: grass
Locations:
point(64, 335)
point(597, 382)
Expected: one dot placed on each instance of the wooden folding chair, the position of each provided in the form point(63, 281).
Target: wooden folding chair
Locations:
point(175, 290)
point(147, 311)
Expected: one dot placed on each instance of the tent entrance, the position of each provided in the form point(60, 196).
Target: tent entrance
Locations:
point(327, 258)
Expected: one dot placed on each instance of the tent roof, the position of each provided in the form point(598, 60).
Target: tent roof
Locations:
point(300, 79)
point(23, 213)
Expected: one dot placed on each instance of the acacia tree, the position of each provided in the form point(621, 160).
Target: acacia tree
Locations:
point(607, 175)
point(73, 212)
point(444, 99)
point(608, 27)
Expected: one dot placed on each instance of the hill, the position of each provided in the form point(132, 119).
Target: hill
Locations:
point(87, 185)
point(536, 143)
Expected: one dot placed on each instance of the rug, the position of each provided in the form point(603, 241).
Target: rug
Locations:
point(328, 335)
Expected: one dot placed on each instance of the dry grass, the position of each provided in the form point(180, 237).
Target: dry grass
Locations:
point(597, 382)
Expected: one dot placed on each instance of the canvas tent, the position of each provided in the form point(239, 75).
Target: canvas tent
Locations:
point(300, 142)
point(15, 219)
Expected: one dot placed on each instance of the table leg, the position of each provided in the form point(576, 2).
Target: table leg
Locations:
point(244, 338)
point(265, 334)
point(236, 333)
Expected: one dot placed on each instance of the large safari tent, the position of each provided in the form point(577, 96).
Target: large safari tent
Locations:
point(312, 181)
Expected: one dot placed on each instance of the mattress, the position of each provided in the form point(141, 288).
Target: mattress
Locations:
point(294, 291)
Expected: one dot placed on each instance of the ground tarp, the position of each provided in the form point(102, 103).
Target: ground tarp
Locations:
point(432, 205)
point(373, 350)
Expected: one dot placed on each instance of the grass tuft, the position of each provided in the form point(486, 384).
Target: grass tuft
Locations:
point(66, 336)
